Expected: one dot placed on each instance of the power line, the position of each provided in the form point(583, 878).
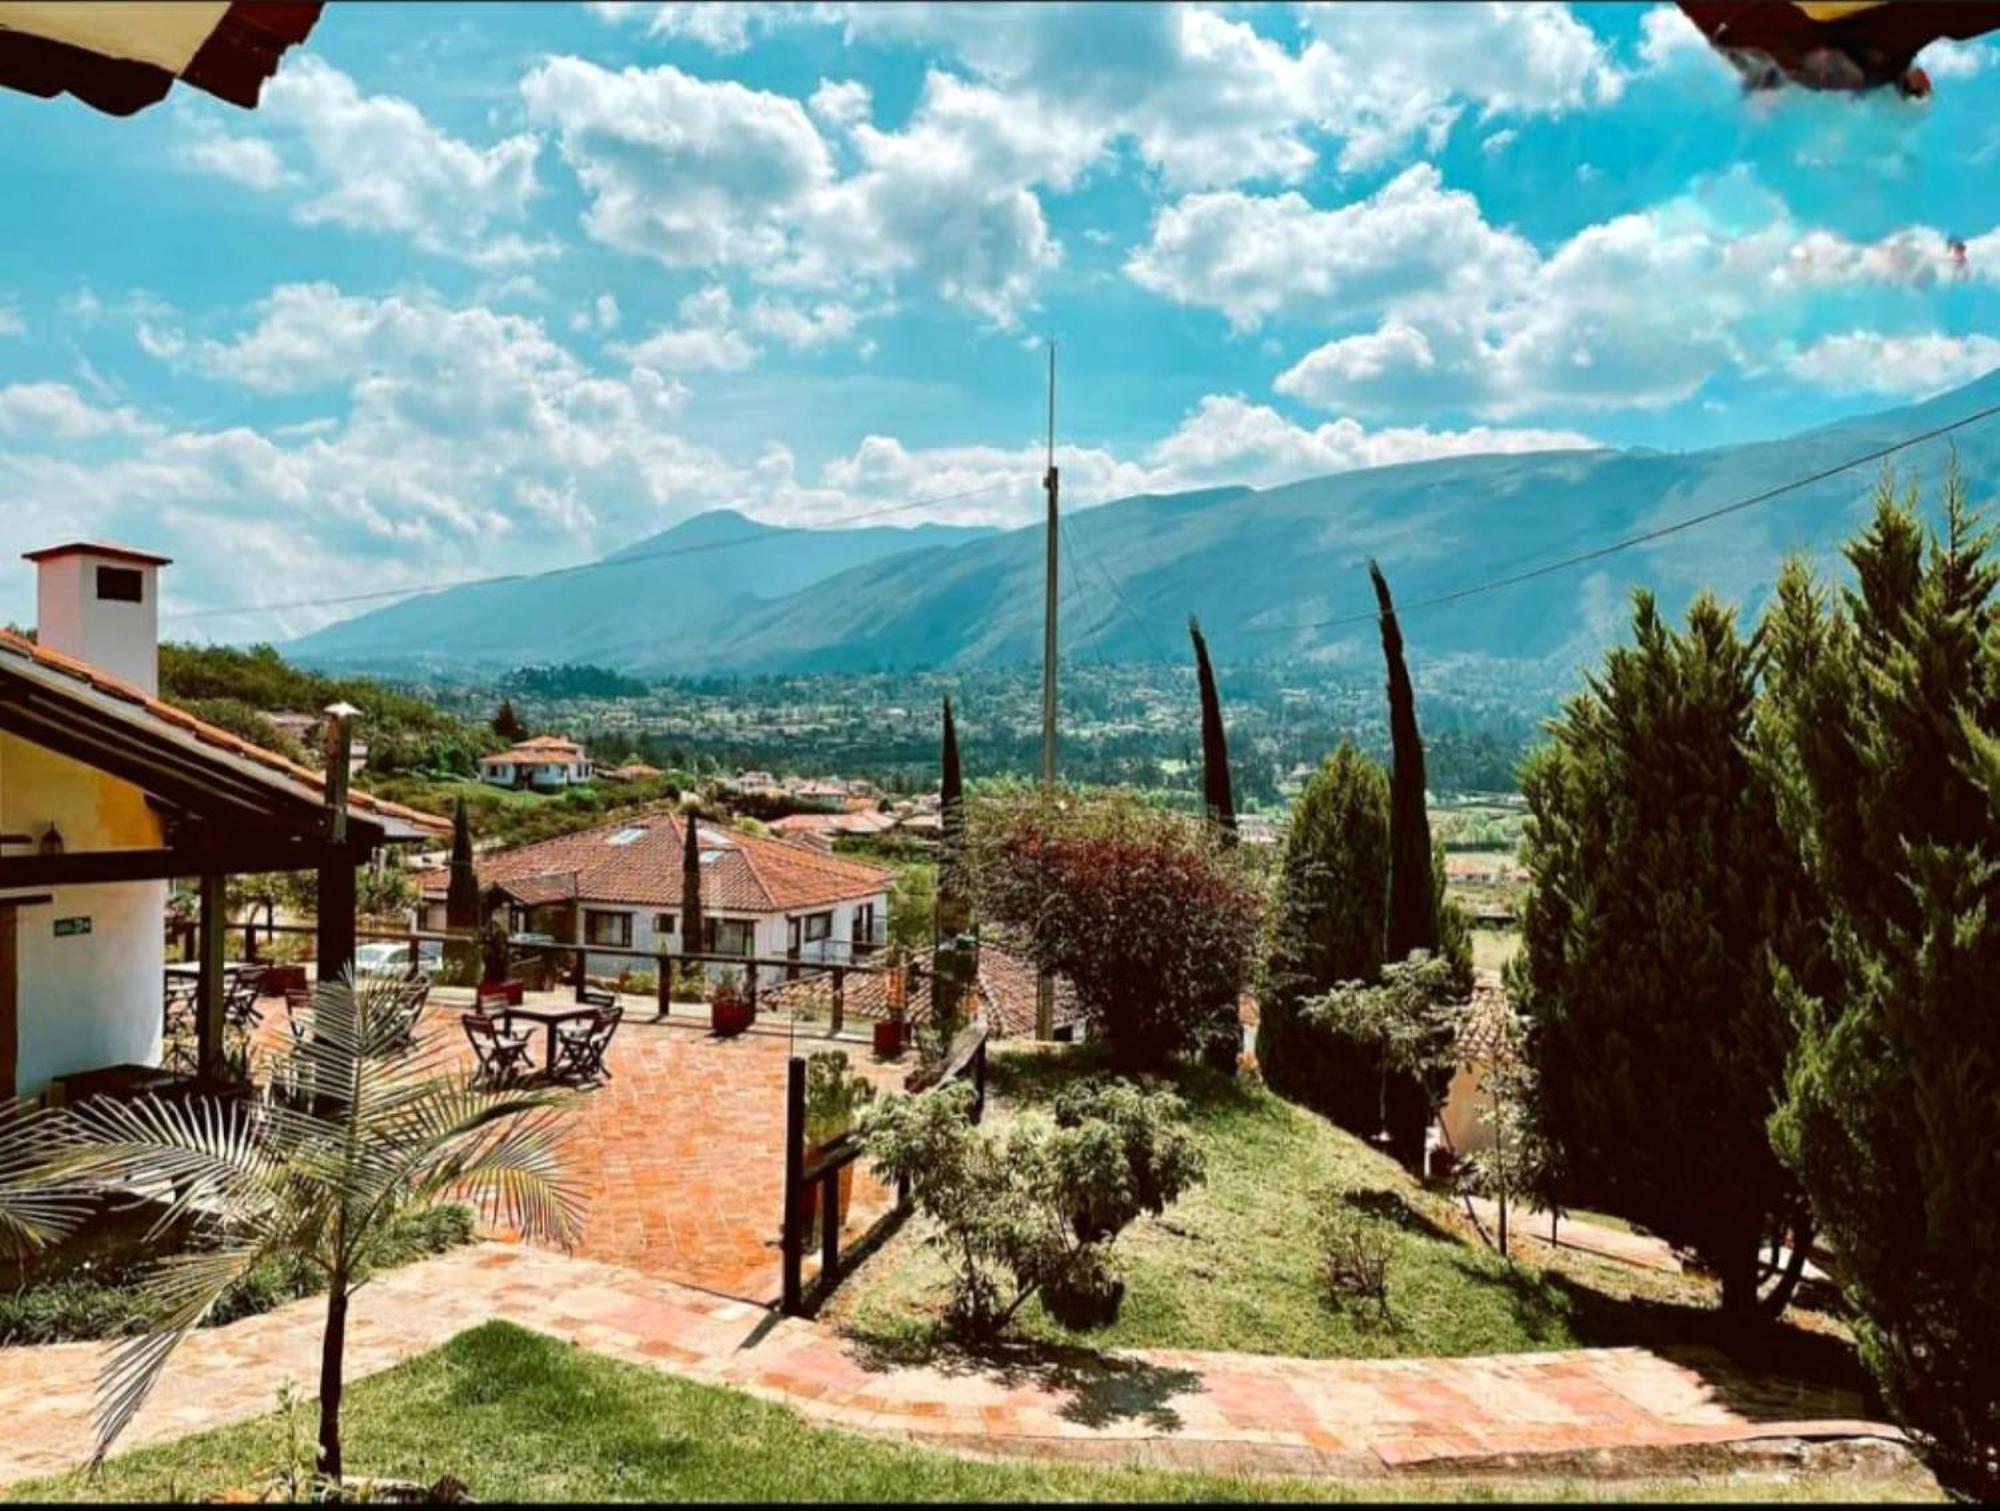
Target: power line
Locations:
point(1644, 537)
point(412, 590)
point(1118, 593)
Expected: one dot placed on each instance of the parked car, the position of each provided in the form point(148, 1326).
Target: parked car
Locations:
point(385, 957)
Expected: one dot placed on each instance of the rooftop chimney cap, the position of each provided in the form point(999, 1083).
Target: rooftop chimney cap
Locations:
point(98, 548)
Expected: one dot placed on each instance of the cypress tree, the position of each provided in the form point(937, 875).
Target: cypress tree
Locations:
point(1326, 928)
point(954, 902)
point(1882, 720)
point(1413, 920)
point(461, 898)
point(507, 724)
point(1660, 885)
point(692, 930)
point(1217, 798)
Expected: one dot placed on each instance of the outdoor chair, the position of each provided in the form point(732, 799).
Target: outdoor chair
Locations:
point(239, 1000)
point(580, 1050)
point(503, 1056)
point(411, 995)
point(298, 1007)
point(179, 1028)
point(591, 996)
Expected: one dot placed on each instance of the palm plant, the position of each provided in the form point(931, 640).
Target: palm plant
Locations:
point(35, 1210)
point(356, 1127)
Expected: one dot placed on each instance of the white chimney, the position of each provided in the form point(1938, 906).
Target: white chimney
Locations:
point(101, 604)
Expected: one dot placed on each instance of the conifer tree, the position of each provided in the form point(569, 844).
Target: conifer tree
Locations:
point(1413, 922)
point(1217, 798)
point(1327, 928)
point(693, 930)
point(507, 724)
point(954, 900)
point(461, 898)
point(1882, 721)
point(1660, 885)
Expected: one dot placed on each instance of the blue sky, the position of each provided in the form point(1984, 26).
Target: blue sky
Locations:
point(494, 288)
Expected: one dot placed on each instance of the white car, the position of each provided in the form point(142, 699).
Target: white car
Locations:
point(385, 957)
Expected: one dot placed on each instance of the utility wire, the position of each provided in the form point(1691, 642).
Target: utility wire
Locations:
point(1117, 592)
point(412, 590)
point(1644, 537)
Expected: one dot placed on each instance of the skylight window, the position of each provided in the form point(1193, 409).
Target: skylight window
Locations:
point(710, 857)
point(625, 836)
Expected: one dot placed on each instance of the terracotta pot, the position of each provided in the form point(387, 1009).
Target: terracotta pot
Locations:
point(507, 991)
point(730, 1017)
point(279, 979)
point(846, 1183)
point(888, 1038)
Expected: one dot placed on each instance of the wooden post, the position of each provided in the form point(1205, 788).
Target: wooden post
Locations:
point(334, 949)
point(208, 1013)
point(250, 936)
point(752, 974)
point(979, 1080)
point(665, 988)
point(839, 1000)
point(581, 956)
point(791, 1237)
point(829, 1228)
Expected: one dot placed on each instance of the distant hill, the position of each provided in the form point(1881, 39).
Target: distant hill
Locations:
point(656, 601)
point(1265, 569)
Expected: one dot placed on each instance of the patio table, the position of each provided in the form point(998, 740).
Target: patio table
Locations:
point(551, 1018)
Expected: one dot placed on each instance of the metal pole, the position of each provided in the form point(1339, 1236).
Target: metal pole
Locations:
point(791, 1239)
point(1045, 996)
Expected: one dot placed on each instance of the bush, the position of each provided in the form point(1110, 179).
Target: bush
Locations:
point(1355, 1253)
point(1038, 1211)
point(101, 1299)
point(1148, 917)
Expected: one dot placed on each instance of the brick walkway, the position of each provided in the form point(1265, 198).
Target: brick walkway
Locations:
point(1227, 1412)
point(681, 1152)
point(1531, 1225)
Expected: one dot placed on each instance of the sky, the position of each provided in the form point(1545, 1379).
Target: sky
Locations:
point(495, 288)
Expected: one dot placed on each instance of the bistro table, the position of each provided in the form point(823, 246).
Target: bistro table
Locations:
point(552, 1019)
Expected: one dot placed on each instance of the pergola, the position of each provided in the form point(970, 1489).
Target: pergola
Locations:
point(226, 807)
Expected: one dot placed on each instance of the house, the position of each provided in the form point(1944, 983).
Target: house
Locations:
point(308, 732)
point(760, 782)
point(633, 771)
point(618, 887)
point(547, 763)
point(822, 829)
point(106, 795)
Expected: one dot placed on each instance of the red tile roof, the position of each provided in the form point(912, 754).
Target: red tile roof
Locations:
point(98, 548)
point(1007, 989)
point(83, 673)
point(750, 874)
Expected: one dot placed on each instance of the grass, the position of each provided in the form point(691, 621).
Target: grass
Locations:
point(1232, 1265)
point(518, 1416)
point(100, 1298)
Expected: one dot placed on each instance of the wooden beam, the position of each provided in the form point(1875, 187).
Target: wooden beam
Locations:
point(214, 929)
point(84, 868)
point(334, 953)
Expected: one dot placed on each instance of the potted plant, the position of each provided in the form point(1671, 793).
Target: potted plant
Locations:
point(835, 1095)
point(729, 1011)
point(889, 1030)
point(495, 960)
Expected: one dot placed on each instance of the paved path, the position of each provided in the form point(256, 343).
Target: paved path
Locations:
point(1227, 1412)
point(1531, 1224)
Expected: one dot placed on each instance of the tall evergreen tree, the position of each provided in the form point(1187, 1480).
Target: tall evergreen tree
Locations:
point(1413, 921)
point(954, 889)
point(1882, 721)
point(1215, 788)
point(507, 724)
point(461, 898)
point(693, 932)
point(1327, 927)
point(1661, 883)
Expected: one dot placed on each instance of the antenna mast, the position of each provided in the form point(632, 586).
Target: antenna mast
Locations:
point(1045, 990)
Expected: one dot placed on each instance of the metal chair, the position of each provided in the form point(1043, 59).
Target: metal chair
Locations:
point(503, 1056)
point(580, 1051)
point(178, 1030)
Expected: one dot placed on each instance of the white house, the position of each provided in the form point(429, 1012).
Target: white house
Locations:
point(107, 793)
point(618, 886)
point(547, 762)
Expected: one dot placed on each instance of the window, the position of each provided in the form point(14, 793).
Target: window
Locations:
point(612, 930)
point(664, 924)
point(818, 926)
point(121, 585)
point(627, 836)
point(731, 936)
point(864, 923)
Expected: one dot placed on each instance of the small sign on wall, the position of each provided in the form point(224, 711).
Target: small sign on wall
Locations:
point(69, 928)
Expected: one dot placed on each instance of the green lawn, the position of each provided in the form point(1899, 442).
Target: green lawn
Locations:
point(521, 1417)
point(1231, 1266)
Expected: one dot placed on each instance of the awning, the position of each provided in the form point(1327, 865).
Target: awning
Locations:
point(120, 58)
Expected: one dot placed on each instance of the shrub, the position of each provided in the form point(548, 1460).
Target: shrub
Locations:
point(835, 1093)
point(1150, 919)
point(1355, 1253)
point(1037, 1211)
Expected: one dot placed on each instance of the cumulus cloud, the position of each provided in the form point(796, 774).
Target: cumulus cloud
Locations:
point(56, 411)
point(376, 163)
point(1914, 366)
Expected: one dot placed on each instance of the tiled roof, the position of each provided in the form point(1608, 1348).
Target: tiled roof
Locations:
point(636, 859)
point(1006, 992)
point(85, 675)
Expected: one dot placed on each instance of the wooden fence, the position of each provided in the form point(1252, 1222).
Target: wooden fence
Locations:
point(967, 1058)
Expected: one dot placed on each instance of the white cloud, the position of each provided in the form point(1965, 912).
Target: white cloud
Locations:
point(1253, 256)
point(1949, 59)
point(55, 411)
point(726, 26)
point(1499, 141)
point(713, 175)
point(602, 315)
point(375, 163)
point(1914, 366)
point(715, 335)
point(842, 103)
point(1668, 39)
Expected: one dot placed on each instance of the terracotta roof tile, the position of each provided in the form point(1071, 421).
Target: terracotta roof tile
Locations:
point(208, 734)
point(750, 874)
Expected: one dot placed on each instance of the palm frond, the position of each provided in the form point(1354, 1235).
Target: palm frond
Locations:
point(198, 1155)
point(38, 1205)
point(514, 1169)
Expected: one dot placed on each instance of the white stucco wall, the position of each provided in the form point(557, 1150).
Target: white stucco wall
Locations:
point(89, 1000)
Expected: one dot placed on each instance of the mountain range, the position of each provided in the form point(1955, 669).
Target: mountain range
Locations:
point(1273, 573)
